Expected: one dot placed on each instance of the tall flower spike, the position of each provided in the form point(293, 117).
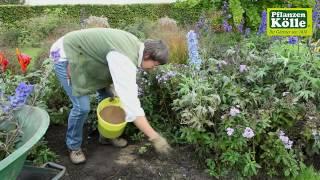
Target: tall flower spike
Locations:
point(226, 26)
point(24, 60)
point(193, 49)
point(263, 24)
point(3, 62)
point(315, 14)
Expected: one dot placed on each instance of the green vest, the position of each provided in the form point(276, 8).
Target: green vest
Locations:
point(86, 51)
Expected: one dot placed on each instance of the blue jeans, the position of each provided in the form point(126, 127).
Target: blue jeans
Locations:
point(80, 107)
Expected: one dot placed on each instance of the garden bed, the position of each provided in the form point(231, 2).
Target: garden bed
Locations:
point(107, 162)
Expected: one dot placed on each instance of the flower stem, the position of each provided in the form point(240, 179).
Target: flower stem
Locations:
point(2, 76)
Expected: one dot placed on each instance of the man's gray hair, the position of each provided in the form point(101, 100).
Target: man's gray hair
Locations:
point(157, 50)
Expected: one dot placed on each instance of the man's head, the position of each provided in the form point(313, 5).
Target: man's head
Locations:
point(155, 53)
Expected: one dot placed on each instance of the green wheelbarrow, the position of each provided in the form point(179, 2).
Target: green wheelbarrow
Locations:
point(34, 122)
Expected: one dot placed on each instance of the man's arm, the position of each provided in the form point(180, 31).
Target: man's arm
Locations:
point(123, 73)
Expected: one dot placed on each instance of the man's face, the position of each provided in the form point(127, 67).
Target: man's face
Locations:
point(149, 64)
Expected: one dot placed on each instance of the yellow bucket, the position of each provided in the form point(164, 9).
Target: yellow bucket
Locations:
point(105, 128)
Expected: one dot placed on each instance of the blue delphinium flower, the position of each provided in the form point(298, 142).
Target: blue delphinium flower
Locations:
point(240, 27)
point(225, 7)
point(315, 14)
point(263, 24)
point(193, 49)
point(293, 40)
point(22, 92)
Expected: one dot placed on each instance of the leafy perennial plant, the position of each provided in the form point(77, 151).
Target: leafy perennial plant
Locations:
point(248, 112)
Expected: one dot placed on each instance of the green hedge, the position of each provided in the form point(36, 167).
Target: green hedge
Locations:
point(115, 13)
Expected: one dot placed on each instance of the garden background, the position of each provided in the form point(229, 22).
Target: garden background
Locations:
point(243, 104)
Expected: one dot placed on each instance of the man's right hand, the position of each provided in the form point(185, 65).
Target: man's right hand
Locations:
point(161, 145)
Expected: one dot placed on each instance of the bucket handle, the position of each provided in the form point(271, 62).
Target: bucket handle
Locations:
point(56, 166)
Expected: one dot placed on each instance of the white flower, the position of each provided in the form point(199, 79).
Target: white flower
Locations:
point(285, 93)
point(314, 132)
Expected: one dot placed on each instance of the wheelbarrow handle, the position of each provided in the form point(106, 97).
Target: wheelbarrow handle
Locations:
point(56, 166)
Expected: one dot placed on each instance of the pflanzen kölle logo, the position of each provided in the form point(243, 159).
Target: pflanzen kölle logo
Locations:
point(289, 21)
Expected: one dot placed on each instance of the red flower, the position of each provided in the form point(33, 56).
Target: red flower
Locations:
point(24, 60)
point(3, 62)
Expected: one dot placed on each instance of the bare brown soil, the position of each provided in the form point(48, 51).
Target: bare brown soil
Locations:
point(108, 162)
point(113, 114)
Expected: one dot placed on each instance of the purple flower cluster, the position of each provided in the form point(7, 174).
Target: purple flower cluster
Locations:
point(225, 7)
point(240, 27)
point(165, 77)
point(226, 26)
point(234, 111)
point(230, 131)
point(55, 55)
point(248, 133)
point(293, 40)
point(285, 140)
point(22, 92)
point(263, 24)
point(19, 99)
point(202, 24)
point(315, 14)
point(193, 49)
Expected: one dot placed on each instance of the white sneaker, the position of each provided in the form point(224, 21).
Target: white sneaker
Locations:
point(77, 157)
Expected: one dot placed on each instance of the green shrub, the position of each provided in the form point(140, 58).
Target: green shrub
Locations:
point(184, 15)
point(32, 32)
point(41, 154)
point(308, 173)
point(249, 111)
